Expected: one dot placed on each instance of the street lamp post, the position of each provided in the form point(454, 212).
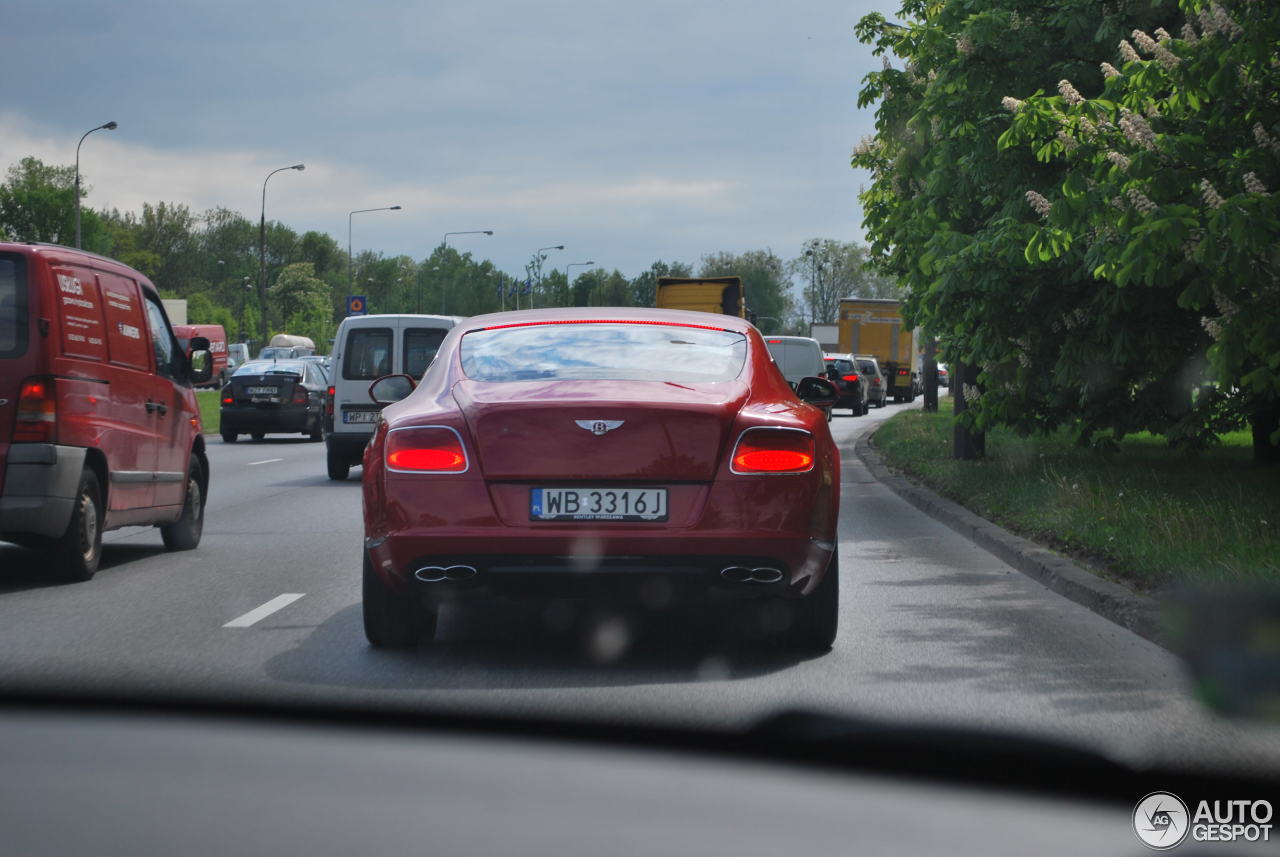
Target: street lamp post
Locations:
point(541, 258)
point(106, 126)
point(568, 283)
point(444, 242)
point(262, 253)
point(351, 279)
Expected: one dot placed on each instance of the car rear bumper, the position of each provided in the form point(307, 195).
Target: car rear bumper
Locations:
point(40, 484)
point(282, 419)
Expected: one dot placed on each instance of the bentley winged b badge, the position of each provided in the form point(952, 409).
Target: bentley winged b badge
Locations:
point(598, 427)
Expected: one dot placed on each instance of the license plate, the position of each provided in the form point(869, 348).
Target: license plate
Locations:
point(263, 391)
point(360, 416)
point(598, 504)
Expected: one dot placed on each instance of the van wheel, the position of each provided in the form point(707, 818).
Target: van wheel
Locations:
point(257, 435)
point(76, 555)
point(184, 533)
point(229, 437)
point(393, 620)
point(339, 467)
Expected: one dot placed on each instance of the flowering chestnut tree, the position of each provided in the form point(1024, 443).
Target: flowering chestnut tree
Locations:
point(1171, 167)
point(974, 218)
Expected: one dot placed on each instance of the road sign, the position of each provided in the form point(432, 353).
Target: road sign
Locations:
point(357, 305)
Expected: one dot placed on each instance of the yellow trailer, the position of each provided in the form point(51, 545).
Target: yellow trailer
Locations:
point(705, 294)
point(874, 326)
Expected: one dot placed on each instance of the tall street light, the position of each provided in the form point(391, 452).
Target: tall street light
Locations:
point(262, 252)
point(444, 242)
point(351, 279)
point(568, 283)
point(108, 126)
point(541, 258)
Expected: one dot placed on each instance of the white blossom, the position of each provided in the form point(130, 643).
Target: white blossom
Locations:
point(1211, 196)
point(1127, 53)
point(1189, 34)
point(1109, 71)
point(964, 46)
point(1136, 130)
point(1145, 43)
point(1087, 129)
point(1140, 201)
point(1212, 327)
point(1069, 93)
point(1167, 58)
point(1010, 103)
point(1264, 139)
point(1068, 142)
point(1225, 305)
point(1253, 185)
point(1162, 34)
point(1118, 159)
point(1224, 23)
point(1039, 203)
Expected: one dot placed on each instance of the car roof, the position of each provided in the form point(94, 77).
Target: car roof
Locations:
point(607, 314)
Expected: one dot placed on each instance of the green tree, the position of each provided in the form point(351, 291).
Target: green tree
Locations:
point(644, 288)
point(303, 301)
point(764, 280)
point(947, 218)
point(1168, 197)
point(37, 203)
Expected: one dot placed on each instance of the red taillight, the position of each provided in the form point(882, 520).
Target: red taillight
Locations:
point(328, 401)
point(902, 371)
point(773, 451)
point(851, 378)
point(431, 449)
point(875, 382)
point(299, 395)
point(37, 419)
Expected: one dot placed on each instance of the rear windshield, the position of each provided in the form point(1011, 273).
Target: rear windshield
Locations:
point(13, 306)
point(420, 347)
point(867, 366)
point(368, 353)
point(844, 367)
point(603, 351)
point(264, 367)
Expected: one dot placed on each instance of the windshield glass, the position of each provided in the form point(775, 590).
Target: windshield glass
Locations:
point(637, 352)
point(1070, 531)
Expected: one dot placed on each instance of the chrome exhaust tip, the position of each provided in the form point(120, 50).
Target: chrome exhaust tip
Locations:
point(445, 574)
point(742, 574)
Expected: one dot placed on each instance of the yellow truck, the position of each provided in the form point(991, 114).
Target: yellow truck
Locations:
point(874, 326)
point(705, 294)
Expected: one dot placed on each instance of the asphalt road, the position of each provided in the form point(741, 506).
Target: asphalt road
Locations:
point(932, 629)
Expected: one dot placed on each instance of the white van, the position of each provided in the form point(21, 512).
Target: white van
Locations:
point(366, 348)
point(797, 357)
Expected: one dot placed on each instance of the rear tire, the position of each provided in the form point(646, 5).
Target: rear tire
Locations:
point(184, 533)
point(229, 437)
point(817, 615)
point(77, 553)
point(393, 620)
point(317, 430)
point(257, 435)
point(339, 467)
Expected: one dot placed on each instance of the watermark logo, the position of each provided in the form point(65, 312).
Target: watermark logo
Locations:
point(1161, 821)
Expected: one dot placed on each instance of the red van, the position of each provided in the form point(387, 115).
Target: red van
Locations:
point(217, 347)
point(99, 426)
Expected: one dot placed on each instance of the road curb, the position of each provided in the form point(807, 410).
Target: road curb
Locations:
point(1137, 613)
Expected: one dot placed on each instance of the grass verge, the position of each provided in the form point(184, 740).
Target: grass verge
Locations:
point(210, 410)
point(1146, 515)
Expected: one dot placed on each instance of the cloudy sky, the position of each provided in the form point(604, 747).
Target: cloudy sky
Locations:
point(628, 131)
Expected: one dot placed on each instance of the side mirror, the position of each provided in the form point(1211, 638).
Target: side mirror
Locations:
point(390, 389)
point(817, 391)
point(201, 365)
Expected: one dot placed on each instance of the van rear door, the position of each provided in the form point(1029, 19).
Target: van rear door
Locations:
point(17, 361)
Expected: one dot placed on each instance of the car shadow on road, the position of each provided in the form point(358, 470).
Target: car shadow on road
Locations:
point(527, 646)
point(22, 569)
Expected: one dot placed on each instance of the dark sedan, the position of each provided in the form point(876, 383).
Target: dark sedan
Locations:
point(844, 374)
point(274, 396)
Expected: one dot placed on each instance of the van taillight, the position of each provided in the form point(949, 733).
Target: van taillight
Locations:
point(37, 420)
point(328, 401)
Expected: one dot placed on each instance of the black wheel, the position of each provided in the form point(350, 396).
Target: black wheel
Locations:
point(339, 467)
point(816, 616)
point(229, 437)
point(257, 435)
point(393, 620)
point(76, 555)
point(184, 533)
point(317, 430)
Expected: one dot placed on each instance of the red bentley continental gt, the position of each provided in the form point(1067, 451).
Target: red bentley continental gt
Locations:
point(616, 453)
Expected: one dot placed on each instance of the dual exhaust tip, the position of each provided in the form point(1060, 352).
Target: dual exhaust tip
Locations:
point(742, 574)
point(445, 574)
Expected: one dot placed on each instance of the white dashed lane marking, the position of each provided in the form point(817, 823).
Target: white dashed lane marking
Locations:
point(257, 614)
point(264, 461)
